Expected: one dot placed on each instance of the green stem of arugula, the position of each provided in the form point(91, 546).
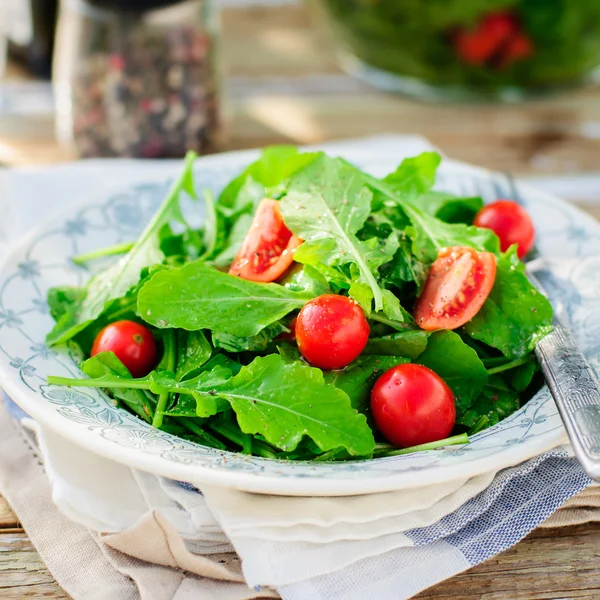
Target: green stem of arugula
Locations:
point(395, 324)
point(208, 439)
point(168, 364)
point(135, 384)
point(115, 250)
point(455, 440)
point(480, 424)
point(510, 365)
point(237, 437)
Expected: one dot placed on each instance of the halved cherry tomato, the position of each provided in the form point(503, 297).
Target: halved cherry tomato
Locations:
point(133, 344)
point(331, 331)
point(412, 405)
point(479, 45)
point(457, 285)
point(268, 249)
point(510, 222)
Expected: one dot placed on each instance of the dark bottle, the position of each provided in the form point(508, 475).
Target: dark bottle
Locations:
point(30, 27)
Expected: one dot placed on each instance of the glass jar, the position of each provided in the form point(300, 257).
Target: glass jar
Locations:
point(137, 78)
point(467, 49)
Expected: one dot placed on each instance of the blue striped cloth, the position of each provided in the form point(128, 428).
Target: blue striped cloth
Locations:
point(517, 501)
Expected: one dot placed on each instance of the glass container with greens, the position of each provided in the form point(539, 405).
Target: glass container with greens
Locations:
point(467, 49)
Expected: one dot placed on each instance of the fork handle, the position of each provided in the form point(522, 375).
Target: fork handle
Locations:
point(576, 391)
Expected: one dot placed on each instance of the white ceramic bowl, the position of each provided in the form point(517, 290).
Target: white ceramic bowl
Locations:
point(86, 416)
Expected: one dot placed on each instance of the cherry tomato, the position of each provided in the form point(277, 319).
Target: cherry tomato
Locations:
point(268, 249)
point(518, 48)
point(331, 331)
point(133, 344)
point(457, 285)
point(412, 405)
point(480, 45)
point(510, 222)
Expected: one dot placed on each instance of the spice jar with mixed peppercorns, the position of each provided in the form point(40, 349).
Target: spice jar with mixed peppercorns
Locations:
point(137, 78)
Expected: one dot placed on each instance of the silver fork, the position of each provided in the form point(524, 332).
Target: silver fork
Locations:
point(570, 378)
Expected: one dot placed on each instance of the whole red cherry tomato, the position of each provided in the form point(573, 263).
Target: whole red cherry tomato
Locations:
point(412, 405)
point(498, 40)
point(458, 283)
point(481, 44)
point(268, 249)
point(518, 48)
point(510, 222)
point(331, 331)
point(132, 343)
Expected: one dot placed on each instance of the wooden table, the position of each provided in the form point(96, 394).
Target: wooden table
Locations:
point(285, 87)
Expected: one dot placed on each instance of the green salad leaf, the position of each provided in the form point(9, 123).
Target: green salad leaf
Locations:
point(278, 400)
point(230, 375)
point(193, 352)
point(410, 343)
point(496, 402)
point(115, 281)
point(326, 204)
point(415, 175)
point(457, 364)
point(358, 377)
point(266, 175)
point(285, 401)
point(197, 296)
point(430, 235)
point(449, 208)
point(107, 365)
point(515, 317)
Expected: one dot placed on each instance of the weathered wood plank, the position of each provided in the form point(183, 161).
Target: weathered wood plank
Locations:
point(549, 564)
point(7, 517)
point(22, 572)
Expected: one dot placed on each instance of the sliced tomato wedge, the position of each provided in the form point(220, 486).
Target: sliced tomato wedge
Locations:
point(458, 283)
point(268, 249)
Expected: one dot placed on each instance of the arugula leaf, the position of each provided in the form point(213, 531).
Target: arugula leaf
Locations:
point(411, 343)
point(115, 281)
point(358, 378)
point(405, 268)
point(520, 378)
point(430, 235)
point(457, 364)
point(106, 364)
point(496, 402)
point(254, 343)
point(415, 175)
point(286, 401)
point(261, 179)
point(304, 278)
point(197, 296)
point(193, 351)
point(279, 400)
point(234, 241)
point(61, 300)
point(326, 204)
point(448, 207)
point(515, 316)
point(310, 255)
